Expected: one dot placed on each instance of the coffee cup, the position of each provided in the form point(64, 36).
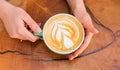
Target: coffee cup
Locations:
point(62, 33)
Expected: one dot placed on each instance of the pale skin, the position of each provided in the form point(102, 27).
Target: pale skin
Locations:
point(79, 10)
point(15, 19)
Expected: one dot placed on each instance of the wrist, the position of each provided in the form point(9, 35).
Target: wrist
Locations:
point(5, 7)
point(77, 6)
point(80, 7)
point(74, 4)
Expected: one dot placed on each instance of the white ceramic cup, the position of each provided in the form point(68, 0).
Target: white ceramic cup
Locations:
point(58, 52)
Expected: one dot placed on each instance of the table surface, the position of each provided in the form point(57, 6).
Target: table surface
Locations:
point(16, 55)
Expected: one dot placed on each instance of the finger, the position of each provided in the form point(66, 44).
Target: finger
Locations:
point(83, 47)
point(18, 37)
point(22, 38)
point(39, 24)
point(23, 32)
point(31, 23)
point(29, 28)
point(28, 35)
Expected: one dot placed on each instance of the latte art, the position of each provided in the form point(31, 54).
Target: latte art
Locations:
point(63, 33)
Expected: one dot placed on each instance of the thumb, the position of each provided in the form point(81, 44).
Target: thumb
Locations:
point(32, 24)
point(92, 29)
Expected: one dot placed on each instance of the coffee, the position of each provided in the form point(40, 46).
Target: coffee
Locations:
point(63, 33)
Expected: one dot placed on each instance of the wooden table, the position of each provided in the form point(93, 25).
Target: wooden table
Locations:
point(16, 55)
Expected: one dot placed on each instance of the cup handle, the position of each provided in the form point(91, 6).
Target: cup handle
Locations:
point(39, 34)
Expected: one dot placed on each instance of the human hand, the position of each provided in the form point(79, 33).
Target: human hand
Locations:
point(15, 20)
point(82, 15)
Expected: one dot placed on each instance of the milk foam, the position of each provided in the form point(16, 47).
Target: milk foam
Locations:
point(62, 33)
point(68, 42)
point(59, 34)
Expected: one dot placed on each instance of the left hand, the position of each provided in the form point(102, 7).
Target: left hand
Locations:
point(82, 15)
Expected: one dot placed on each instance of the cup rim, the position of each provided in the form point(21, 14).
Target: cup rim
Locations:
point(58, 52)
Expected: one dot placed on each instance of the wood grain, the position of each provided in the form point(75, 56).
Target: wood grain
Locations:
point(30, 56)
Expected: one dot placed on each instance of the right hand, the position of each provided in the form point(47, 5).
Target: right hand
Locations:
point(15, 19)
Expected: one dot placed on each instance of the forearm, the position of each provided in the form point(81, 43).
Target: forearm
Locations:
point(2, 6)
point(76, 5)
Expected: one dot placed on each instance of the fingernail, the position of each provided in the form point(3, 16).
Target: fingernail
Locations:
point(96, 31)
point(71, 58)
point(38, 30)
